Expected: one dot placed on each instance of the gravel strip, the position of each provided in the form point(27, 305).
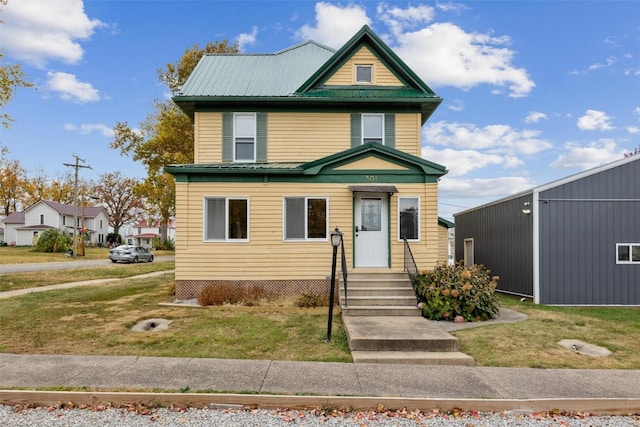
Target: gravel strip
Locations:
point(133, 416)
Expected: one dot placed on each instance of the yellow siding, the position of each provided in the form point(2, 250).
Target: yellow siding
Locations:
point(408, 133)
point(303, 137)
point(300, 137)
point(208, 137)
point(443, 245)
point(369, 163)
point(345, 76)
point(266, 256)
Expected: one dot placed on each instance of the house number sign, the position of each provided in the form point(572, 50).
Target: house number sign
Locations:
point(371, 178)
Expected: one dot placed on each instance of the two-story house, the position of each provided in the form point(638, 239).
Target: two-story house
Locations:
point(24, 228)
point(290, 146)
point(143, 233)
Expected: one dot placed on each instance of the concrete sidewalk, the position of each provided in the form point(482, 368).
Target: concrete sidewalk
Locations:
point(250, 381)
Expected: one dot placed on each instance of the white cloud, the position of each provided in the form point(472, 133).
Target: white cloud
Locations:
point(462, 162)
point(633, 129)
point(70, 89)
point(636, 111)
point(89, 128)
point(334, 24)
point(246, 39)
point(494, 139)
point(443, 54)
point(535, 117)
point(595, 120)
point(39, 31)
point(479, 188)
point(589, 156)
point(456, 105)
point(399, 20)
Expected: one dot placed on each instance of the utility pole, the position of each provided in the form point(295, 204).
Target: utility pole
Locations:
point(77, 166)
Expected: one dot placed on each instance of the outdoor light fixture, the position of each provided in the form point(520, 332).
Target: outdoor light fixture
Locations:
point(336, 240)
point(527, 208)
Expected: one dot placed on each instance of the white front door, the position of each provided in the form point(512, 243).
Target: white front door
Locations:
point(371, 233)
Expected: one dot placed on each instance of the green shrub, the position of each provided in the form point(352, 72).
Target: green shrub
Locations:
point(164, 245)
point(449, 291)
point(54, 240)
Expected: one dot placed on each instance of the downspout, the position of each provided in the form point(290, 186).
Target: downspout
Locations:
point(536, 246)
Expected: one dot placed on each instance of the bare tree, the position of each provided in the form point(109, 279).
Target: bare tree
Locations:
point(117, 193)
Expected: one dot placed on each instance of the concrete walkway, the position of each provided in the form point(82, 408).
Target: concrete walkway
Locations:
point(271, 383)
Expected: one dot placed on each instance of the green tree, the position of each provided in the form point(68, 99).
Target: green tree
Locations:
point(118, 195)
point(165, 137)
point(13, 181)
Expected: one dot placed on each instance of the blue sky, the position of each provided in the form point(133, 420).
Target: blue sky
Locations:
point(533, 90)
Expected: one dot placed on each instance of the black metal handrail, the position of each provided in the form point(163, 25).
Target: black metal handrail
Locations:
point(410, 265)
point(343, 260)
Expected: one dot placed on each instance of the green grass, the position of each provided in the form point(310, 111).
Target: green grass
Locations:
point(26, 254)
point(98, 321)
point(14, 281)
point(534, 342)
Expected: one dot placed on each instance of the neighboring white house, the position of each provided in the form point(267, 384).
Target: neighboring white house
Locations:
point(143, 233)
point(24, 228)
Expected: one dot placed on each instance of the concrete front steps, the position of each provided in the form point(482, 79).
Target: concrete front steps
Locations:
point(384, 324)
point(378, 294)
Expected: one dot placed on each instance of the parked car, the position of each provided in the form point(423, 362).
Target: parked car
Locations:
point(130, 253)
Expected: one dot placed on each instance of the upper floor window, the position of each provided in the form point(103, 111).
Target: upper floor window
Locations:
point(364, 74)
point(41, 219)
point(373, 128)
point(409, 218)
point(244, 137)
point(628, 253)
point(226, 218)
point(305, 218)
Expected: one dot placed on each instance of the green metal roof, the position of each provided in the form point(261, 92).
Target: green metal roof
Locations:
point(255, 75)
point(295, 78)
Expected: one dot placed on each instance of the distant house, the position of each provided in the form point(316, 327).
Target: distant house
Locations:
point(24, 228)
point(144, 232)
point(575, 241)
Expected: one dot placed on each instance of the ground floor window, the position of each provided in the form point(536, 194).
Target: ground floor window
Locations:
point(409, 218)
point(305, 218)
point(226, 218)
point(628, 253)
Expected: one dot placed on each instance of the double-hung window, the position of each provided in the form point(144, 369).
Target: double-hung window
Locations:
point(409, 218)
point(628, 253)
point(305, 218)
point(373, 128)
point(226, 219)
point(244, 137)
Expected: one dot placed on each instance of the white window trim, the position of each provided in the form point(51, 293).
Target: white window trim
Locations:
point(628, 245)
point(255, 137)
point(306, 217)
point(355, 74)
point(419, 219)
point(226, 219)
point(469, 256)
point(362, 116)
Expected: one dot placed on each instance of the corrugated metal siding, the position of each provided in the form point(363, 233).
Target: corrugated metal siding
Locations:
point(277, 74)
point(578, 236)
point(503, 242)
point(267, 256)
